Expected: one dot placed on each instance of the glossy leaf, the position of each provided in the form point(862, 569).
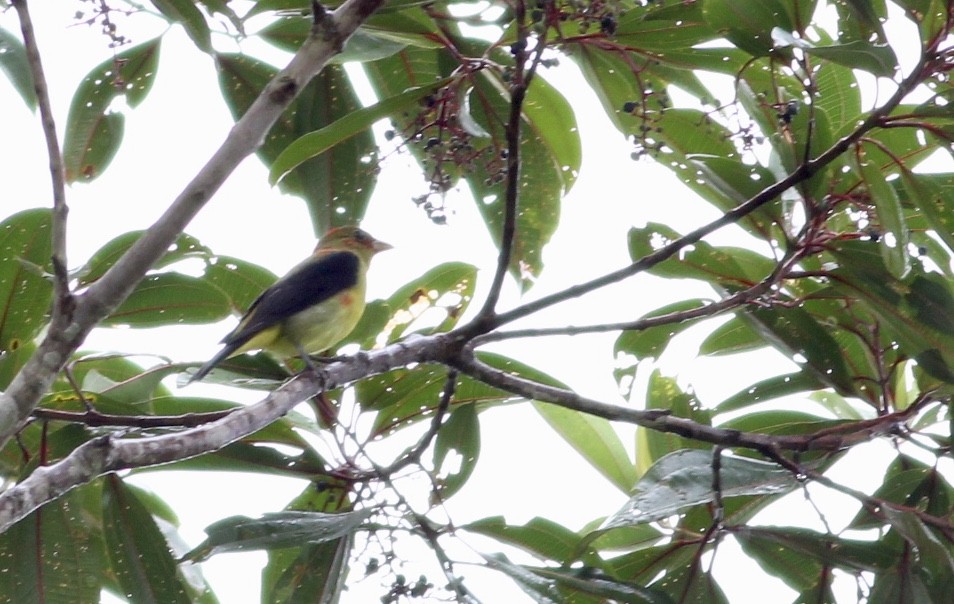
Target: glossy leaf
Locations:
point(364, 45)
point(404, 396)
point(748, 25)
point(683, 479)
point(315, 572)
point(140, 556)
point(917, 310)
point(13, 62)
point(733, 336)
point(25, 288)
point(94, 128)
point(799, 556)
point(171, 299)
point(276, 531)
point(878, 59)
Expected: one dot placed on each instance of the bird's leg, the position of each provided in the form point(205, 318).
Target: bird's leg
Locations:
point(306, 357)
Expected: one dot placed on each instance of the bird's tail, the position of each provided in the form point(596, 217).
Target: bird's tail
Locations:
point(211, 363)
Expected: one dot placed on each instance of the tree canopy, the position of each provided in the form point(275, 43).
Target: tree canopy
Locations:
point(817, 130)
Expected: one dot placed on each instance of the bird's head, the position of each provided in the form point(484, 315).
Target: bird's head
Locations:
point(353, 239)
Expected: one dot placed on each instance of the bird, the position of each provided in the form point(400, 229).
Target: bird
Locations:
point(311, 308)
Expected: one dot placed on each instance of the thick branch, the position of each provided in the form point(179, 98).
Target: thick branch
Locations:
point(329, 34)
point(109, 454)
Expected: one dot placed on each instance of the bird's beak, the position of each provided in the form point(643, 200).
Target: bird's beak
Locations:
point(380, 246)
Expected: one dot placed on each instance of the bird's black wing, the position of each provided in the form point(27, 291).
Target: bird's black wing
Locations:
point(307, 285)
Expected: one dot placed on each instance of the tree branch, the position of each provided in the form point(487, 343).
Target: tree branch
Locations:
point(328, 36)
point(800, 174)
point(111, 453)
point(662, 420)
point(61, 294)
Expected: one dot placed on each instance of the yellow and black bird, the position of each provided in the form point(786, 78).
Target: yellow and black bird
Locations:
point(310, 309)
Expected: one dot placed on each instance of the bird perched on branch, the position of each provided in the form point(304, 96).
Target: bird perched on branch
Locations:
point(310, 309)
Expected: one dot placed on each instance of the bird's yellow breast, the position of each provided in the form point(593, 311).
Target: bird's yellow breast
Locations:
point(320, 327)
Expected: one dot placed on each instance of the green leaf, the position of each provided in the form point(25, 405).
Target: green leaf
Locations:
point(26, 292)
point(190, 17)
point(171, 299)
point(747, 24)
point(314, 572)
point(140, 556)
point(894, 243)
point(733, 336)
point(918, 311)
point(13, 62)
point(94, 128)
point(336, 181)
point(185, 246)
point(51, 555)
point(276, 531)
point(404, 396)
point(441, 294)
point(932, 194)
point(316, 575)
point(459, 433)
point(797, 334)
point(653, 445)
point(541, 537)
point(650, 343)
point(365, 44)
point(878, 59)
point(240, 280)
point(684, 479)
point(798, 556)
point(595, 439)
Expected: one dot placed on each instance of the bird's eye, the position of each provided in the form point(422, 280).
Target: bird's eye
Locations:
point(361, 235)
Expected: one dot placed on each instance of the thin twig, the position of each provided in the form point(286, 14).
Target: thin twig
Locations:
point(62, 297)
point(800, 174)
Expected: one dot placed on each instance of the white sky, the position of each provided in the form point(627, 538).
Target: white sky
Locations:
point(522, 462)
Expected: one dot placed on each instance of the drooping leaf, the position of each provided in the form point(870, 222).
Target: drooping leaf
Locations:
point(684, 479)
point(276, 531)
point(595, 439)
point(52, 556)
point(541, 537)
point(25, 288)
point(336, 183)
point(460, 434)
point(94, 127)
point(140, 556)
point(187, 14)
point(894, 242)
point(652, 445)
point(13, 62)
